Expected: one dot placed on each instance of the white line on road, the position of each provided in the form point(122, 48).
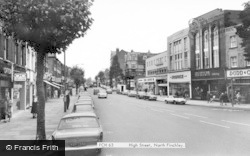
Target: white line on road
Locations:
point(214, 124)
point(236, 123)
point(180, 116)
point(196, 115)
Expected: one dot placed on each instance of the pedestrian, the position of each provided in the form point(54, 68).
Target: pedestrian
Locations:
point(7, 108)
point(238, 98)
point(208, 96)
point(212, 98)
point(34, 107)
point(226, 98)
point(221, 98)
point(67, 99)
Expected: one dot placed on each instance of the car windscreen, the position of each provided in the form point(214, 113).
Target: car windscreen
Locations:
point(78, 122)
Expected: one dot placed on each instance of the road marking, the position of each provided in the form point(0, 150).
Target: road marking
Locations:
point(156, 110)
point(214, 124)
point(236, 123)
point(227, 109)
point(180, 116)
point(196, 115)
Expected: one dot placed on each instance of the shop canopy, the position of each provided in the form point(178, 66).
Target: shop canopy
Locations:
point(51, 84)
point(59, 85)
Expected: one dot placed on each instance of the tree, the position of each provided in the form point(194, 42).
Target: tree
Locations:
point(244, 30)
point(115, 70)
point(77, 74)
point(101, 76)
point(48, 26)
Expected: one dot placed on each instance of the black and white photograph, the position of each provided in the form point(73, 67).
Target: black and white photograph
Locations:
point(125, 77)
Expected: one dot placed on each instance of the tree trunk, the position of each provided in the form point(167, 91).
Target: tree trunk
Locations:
point(40, 131)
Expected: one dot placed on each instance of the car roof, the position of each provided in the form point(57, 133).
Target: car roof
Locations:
point(80, 114)
point(83, 102)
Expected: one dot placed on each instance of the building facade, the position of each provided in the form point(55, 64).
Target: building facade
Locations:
point(179, 74)
point(156, 75)
point(135, 67)
point(208, 51)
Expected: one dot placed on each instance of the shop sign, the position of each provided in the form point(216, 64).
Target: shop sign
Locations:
point(208, 74)
point(152, 79)
point(238, 73)
point(180, 77)
point(20, 77)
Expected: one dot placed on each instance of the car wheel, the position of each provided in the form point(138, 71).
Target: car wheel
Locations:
point(166, 101)
point(174, 102)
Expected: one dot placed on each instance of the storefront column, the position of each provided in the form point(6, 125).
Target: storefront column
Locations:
point(23, 96)
point(190, 90)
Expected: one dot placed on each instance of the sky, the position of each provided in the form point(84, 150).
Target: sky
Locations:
point(138, 25)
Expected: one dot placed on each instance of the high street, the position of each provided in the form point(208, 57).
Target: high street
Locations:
point(204, 130)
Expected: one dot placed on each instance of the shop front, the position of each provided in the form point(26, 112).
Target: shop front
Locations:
point(180, 84)
point(6, 83)
point(238, 80)
point(162, 85)
point(204, 81)
point(147, 84)
point(20, 91)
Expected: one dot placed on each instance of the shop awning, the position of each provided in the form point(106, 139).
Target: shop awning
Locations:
point(57, 84)
point(51, 84)
point(163, 84)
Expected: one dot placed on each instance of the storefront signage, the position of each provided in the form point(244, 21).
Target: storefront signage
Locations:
point(180, 77)
point(7, 71)
point(205, 74)
point(238, 73)
point(144, 80)
point(20, 77)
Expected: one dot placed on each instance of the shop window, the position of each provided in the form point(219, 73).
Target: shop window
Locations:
point(248, 63)
point(197, 52)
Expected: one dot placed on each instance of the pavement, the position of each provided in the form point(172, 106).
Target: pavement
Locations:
point(215, 104)
point(23, 127)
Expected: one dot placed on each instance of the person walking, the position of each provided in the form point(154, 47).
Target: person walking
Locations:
point(208, 97)
point(67, 99)
point(7, 108)
point(238, 98)
point(221, 98)
point(34, 107)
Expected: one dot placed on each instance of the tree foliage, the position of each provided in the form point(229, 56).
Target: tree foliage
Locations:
point(244, 30)
point(115, 70)
point(49, 26)
point(77, 74)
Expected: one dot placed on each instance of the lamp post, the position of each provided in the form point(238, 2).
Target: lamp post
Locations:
point(64, 99)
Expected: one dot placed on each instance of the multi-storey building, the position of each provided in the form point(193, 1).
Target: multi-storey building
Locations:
point(156, 74)
point(238, 70)
point(179, 74)
point(135, 67)
point(208, 51)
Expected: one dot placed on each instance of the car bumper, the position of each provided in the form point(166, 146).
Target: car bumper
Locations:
point(102, 96)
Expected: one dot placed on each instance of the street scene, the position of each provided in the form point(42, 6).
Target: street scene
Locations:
point(122, 78)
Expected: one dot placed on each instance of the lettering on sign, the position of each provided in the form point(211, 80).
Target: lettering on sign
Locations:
point(238, 73)
point(202, 73)
point(7, 70)
point(177, 77)
point(20, 77)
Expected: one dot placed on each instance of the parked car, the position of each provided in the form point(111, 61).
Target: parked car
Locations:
point(85, 102)
point(140, 95)
point(132, 93)
point(125, 92)
point(102, 94)
point(83, 108)
point(95, 91)
point(109, 91)
point(150, 96)
point(175, 99)
point(81, 132)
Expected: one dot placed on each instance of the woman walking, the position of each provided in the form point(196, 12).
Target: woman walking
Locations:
point(34, 107)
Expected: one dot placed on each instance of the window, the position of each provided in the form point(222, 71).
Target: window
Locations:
point(170, 46)
point(233, 61)
point(197, 52)
point(216, 63)
point(206, 52)
point(233, 42)
point(185, 44)
point(6, 48)
point(16, 52)
point(248, 63)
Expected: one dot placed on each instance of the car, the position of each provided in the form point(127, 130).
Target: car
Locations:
point(175, 99)
point(150, 96)
point(132, 93)
point(85, 98)
point(85, 102)
point(125, 92)
point(140, 95)
point(95, 91)
point(81, 132)
point(83, 108)
point(102, 94)
point(109, 91)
